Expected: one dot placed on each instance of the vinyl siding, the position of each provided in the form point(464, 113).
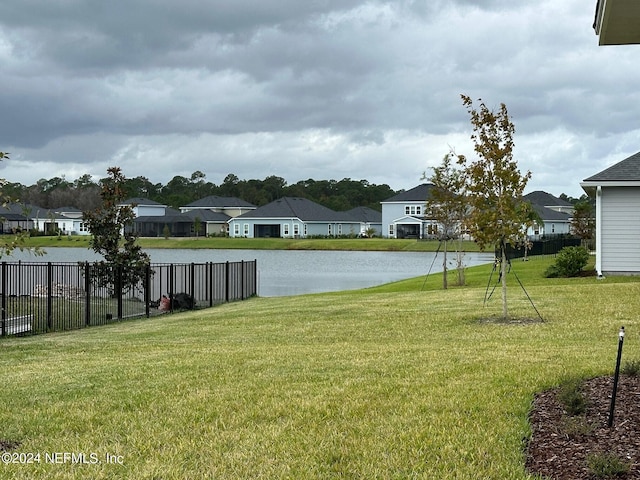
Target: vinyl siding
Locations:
point(620, 230)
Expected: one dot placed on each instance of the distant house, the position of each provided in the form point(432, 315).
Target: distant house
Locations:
point(555, 214)
point(617, 193)
point(14, 217)
point(63, 220)
point(370, 220)
point(547, 200)
point(144, 207)
point(293, 217)
point(403, 215)
point(215, 212)
point(171, 224)
point(554, 223)
point(231, 206)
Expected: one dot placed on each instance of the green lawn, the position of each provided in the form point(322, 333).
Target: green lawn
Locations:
point(379, 244)
point(400, 381)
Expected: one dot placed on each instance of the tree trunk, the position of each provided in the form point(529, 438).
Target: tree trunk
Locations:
point(444, 267)
point(503, 274)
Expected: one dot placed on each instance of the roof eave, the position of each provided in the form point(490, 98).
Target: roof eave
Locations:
point(590, 186)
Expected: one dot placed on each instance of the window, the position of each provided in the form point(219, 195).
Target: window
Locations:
point(246, 229)
point(339, 229)
point(236, 229)
point(330, 229)
point(413, 210)
point(296, 230)
point(84, 227)
point(285, 230)
point(305, 229)
point(391, 229)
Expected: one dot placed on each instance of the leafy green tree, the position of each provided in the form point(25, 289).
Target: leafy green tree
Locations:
point(197, 226)
point(494, 185)
point(125, 263)
point(531, 217)
point(583, 224)
point(448, 207)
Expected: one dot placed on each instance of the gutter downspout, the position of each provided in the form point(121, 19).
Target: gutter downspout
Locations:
point(599, 231)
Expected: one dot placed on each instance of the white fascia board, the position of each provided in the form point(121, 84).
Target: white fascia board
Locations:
point(611, 183)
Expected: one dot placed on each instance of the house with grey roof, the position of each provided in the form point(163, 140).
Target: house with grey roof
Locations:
point(617, 193)
point(370, 220)
point(14, 217)
point(549, 201)
point(403, 215)
point(144, 207)
point(63, 220)
point(215, 212)
point(555, 214)
point(293, 217)
point(231, 206)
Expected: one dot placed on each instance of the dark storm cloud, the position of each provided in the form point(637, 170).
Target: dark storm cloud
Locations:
point(307, 88)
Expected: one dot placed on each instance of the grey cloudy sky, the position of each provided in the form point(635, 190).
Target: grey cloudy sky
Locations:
point(322, 89)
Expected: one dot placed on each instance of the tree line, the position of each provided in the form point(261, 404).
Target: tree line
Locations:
point(84, 192)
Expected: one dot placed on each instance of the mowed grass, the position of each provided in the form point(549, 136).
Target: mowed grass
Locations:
point(360, 244)
point(400, 381)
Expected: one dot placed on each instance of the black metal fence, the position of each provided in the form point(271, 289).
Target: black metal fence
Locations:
point(549, 246)
point(46, 297)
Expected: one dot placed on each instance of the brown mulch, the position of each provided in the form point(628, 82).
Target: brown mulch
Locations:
point(560, 444)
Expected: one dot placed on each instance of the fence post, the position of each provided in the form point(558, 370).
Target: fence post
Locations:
point(119, 290)
point(87, 294)
point(227, 285)
point(255, 277)
point(242, 264)
point(192, 280)
point(49, 296)
point(147, 290)
point(4, 298)
point(171, 286)
point(210, 282)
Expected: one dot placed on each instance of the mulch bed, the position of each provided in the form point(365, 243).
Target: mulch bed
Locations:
point(560, 444)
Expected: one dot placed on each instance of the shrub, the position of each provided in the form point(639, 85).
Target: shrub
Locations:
point(632, 367)
point(606, 465)
point(569, 262)
point(571, 397)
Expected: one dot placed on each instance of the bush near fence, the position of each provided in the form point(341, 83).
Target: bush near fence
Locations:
point(46, 297)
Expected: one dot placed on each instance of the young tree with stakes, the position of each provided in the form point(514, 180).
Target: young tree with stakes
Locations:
point(125, 263)
point(447, 206)
point(494, 185)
